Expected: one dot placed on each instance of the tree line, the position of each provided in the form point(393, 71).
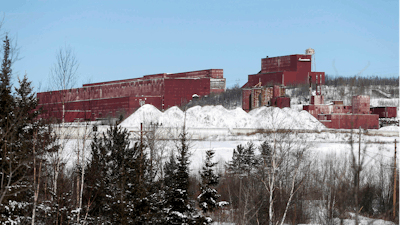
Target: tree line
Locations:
point(360, 81)
point(231, 98)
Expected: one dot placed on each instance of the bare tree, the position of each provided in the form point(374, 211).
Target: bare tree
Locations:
point(357, 164)
point(81, 164)
point(63, 76)
point(153, 138)
point(286, 160)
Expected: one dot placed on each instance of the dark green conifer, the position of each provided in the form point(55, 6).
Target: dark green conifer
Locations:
point(208, 198)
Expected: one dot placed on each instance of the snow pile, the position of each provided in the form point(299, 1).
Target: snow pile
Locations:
point(220, 117)
point(390, 128)
point(146, 113)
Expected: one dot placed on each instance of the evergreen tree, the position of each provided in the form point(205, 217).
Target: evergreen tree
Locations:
point(177, 198)
point(14, 157)
point(97, 190)
point(118, 180)
point(208, 196)
point(265, 155)
point(249, 158)
point(243, 160)
point(170, 169)
point(236, 165)
point(6, 99)
point(23, 142)
point(179, 209)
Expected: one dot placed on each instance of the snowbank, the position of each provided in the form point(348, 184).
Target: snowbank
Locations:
point(390, 128)
point(219, 117)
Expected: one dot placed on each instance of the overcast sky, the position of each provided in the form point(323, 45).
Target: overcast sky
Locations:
point(127, 39)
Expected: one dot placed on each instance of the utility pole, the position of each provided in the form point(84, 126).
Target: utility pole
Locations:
point(141, 152)
point(141, 133)
point(358, 169)
point(394, 184)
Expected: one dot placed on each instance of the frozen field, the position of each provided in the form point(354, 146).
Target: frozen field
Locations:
point(214, 127)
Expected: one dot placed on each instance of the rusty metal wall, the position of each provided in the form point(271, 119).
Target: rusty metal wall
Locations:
point(246, 99)
point(180, 91)
point(285, 70)
point(317, 100)
point(124, 96)
point(361, 104)
point(353, 121)
point(385, 112)
point(276, 64)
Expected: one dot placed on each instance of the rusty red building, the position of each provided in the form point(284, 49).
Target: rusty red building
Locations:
point(261, 89)
point(358, 114)
point(122, 97)
point(267, 88)
point(339, 116)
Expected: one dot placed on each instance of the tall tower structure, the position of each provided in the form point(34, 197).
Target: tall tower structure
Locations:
point(310, 51)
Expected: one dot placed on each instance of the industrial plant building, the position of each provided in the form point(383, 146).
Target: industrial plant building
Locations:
point(267, 88)
point(122, 97)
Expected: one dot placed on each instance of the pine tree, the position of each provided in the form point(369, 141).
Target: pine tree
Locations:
point(249, 158)
point(118, 180)
point(170, 169)
point(264, 160)
point(209, 196)
point(23, 142)
point(14, 163)
point(236, 165)
point(178, 199)
point(97, 192)
point(243, 160)
point(265, 155)
point(6, 99)
point(179, 208)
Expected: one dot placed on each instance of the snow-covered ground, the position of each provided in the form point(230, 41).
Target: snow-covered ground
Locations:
point(222, 126)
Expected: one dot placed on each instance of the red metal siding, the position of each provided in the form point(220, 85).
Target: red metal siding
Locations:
point(360, 104)
point(277, 64)
point(302, 67)
point(341, 109)
point(124, 96)
point(265, 79)
point(180, 91)
point(87, 109)
point(136, 101)
point(326, 123)
point(339, 116)
point(354, 121)
point(317, 100)
point(285, 70)
point(385, 112)
point(246, 99)
point(282, 102)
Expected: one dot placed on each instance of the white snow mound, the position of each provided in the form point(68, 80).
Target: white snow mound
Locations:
point(220, 117)
point(390, 128)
